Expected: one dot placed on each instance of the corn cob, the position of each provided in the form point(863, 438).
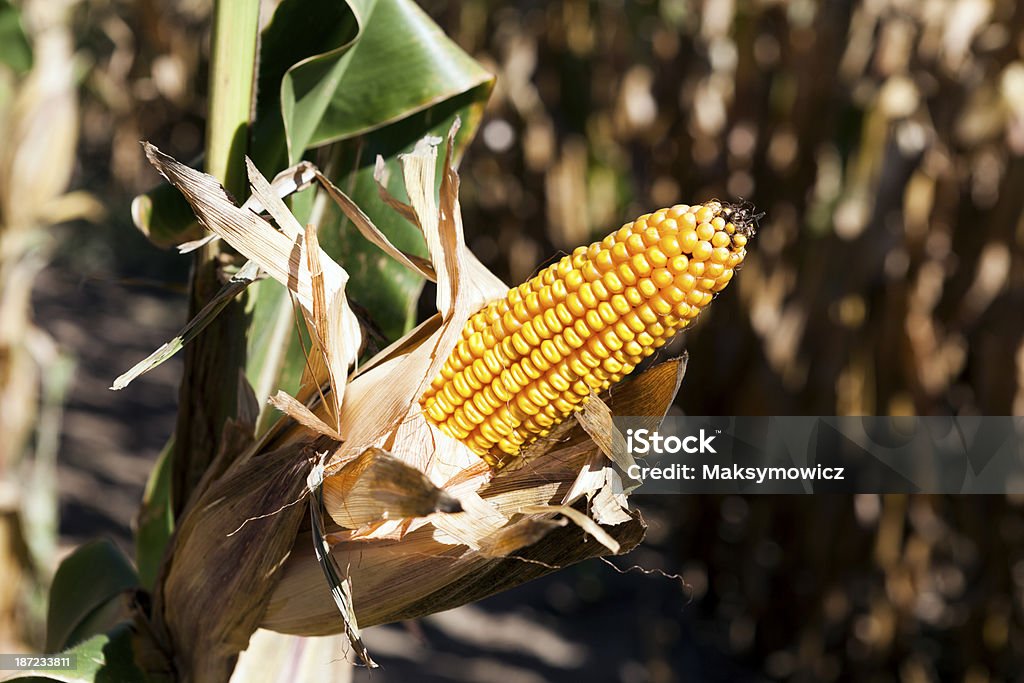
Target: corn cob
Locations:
point(527, 361)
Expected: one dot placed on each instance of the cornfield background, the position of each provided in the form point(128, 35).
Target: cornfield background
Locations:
point(885, 143)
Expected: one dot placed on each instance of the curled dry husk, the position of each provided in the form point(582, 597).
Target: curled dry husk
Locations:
point(416, 523)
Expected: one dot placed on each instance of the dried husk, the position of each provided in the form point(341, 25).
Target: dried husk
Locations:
point(417, 522)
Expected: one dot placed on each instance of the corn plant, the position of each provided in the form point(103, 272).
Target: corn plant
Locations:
point(433, 470)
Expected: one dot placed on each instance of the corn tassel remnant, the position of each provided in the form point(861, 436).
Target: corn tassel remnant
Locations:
point(528, 361)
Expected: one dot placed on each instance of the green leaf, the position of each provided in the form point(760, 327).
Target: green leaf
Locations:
point(156, 519)
point(398, 64)
point(333, 71)
point(15, 51)
point(104, 658)
point(86, 593)
point(385, 288)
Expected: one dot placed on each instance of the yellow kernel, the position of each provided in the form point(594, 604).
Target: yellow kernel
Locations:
point(720, 239)
point(647, 288)
point(705, 232)
point(529, 334)
point(626, 274)
point(739, 240)
point(476, 344)
point(678, 264)
point(611, 340)
point(551, 321)
point(623, 332)
point(573, 280)
point(600, 291)
point(547, 348)
point(587, 298)
point(559, 383)
point(714, 269)
point(632, 349)
point(434, 410)
point(571, 338)
point(604, 259)
point(651, 236)
point(696, 268)
point(662, 277)
point(720, 255)
point(678, 210)
point(647, 315)
point(454, 430)
point(558, 290)
point(634, 322)
point(597, 348)
point(718, 223)
point(612, 282)
point(529, 368)
point(659, 305)
point(472, 414)
point(687, 221)
point(563, 348)
point(620, 253)
point(640, 264)
point(633, 296)
point(578, 367)
point(611, 365)
point(695, 297)
point(635, 244)
point(686, 282)
point(673, 294)
point(565, 316)
point(656, 257)
point(520, 345)
point(594, 321)
point(532, 302)
point(607, 313)
point(669, 245)
point(702, 252)
point(619, 305)
point(707, 283)
point(688, 241)
point(704, 214)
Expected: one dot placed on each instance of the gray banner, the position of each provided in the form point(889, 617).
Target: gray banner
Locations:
point(826, 454)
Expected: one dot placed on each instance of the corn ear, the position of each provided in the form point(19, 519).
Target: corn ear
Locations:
point(529, 360)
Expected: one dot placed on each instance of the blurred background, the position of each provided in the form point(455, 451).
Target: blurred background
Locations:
point(884, 140)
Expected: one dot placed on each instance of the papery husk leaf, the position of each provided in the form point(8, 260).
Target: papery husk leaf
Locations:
point(275, 657)
point(418, 574)
point(280, 254)
point(381, 406)
point(303, 415)
point(596, 420)
point(213, 588)
point(378, 486)
point(235, 286)
point(517, 535)
point(285, 183)
point(371, 232)
point(339, 582)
